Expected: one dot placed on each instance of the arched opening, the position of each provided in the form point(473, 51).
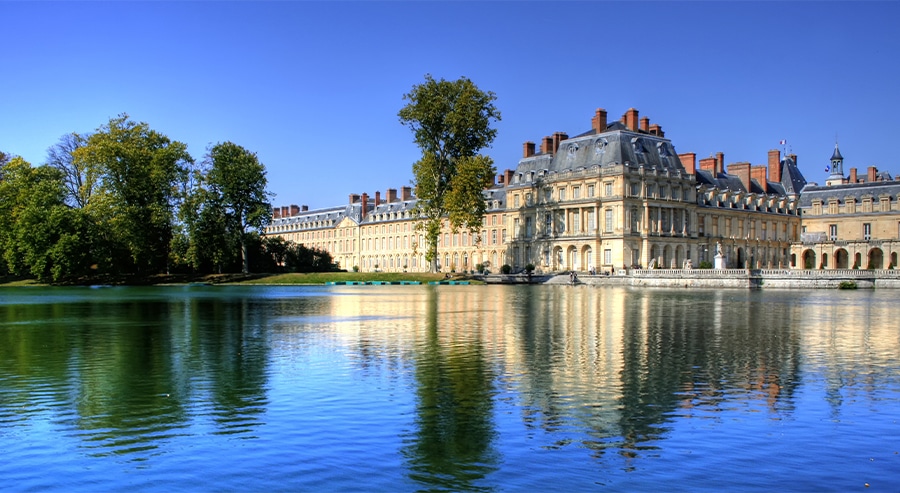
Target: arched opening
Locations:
point(893, 260)
point(679, 257)
point(654, 255)
point(741, 258)
point(667, 257)
point(876, 259)
point(793, 260)
point(857, 261)
point(572, 257)
point(587, 258)
point(809, 259)
point(824, 264)
point(841, 259)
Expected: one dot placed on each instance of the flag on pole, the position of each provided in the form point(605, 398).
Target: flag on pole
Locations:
point(827, 168)
point(782, 142)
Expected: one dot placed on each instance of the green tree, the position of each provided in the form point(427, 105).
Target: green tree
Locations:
point(451, 122)
point(40, 235)
point(140, 174)
point(236, 186)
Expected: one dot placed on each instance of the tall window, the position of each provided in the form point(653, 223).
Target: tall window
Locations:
point(608, 189)
point(607, 256)
point(516, 200)
point(832, 232)
point(867, 231)
point(590, 191)
point(562, 194)
point(576, 192)
point(609, 221)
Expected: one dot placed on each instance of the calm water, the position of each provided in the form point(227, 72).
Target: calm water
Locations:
point(448, 388)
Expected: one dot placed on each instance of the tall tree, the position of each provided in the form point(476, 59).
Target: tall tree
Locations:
point(40, 235)
point(78, 178)
point(237, 185)
point(451, 122)
point(140, 175)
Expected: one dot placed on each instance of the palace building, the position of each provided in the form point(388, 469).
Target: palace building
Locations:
point(618, 196)
point(853, 222)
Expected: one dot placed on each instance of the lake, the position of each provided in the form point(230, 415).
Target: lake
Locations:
point(448, 388)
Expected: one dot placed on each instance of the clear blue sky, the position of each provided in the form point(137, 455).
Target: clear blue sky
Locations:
point(314, 88)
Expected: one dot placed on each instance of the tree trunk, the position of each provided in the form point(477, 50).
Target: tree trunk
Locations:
point(244, 257)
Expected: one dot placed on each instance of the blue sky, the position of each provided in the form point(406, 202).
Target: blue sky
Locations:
point(314, 88)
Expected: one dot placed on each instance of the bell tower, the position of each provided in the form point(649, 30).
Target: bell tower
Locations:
point(837, 168)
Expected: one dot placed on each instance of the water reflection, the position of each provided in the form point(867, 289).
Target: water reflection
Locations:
point(451, 388)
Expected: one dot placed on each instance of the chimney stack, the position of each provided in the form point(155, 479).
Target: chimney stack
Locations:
point(657, 130)
point(508, 176)
point(720, 163)
point(742, 171)
point(276, 212)
point(557, 138)
point(285, 211)
point(391, 195)
point(528, 149)
point(775, 165)
point(598, 122)
point(631, 119)
point(295, 210)
point(689, 161)
point(853, 177)
point(364, 204)
point(405, 193)
point(645, 124)
point(759, 174)
point(377, 198)
point(354, 198)
point(871, 174)
point(547, 145)
point(304, 208)
point(709, 164)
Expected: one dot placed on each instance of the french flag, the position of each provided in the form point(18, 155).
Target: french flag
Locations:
point(782, 142)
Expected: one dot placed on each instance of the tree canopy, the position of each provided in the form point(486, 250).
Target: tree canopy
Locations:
point(451, 122)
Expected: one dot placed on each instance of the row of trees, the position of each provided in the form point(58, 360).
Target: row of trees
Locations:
point(126, 199)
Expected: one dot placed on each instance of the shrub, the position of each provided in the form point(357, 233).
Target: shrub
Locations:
point(506, 269)
point(847, 285)
point(479, 268)
point(529, 268)
point(705, 265)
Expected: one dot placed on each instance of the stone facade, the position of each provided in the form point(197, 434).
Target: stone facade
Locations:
point(618, 196)
point(852, 222)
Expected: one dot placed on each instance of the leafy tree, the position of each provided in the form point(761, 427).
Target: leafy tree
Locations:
point(79, 179)
point(140, 173)
point(451, 122)
point(40, 235)
point(237, 189)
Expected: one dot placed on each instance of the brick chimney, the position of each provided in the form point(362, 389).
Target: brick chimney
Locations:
point(708, 164)
point(598, 122)
point(720, 162)
point(871, 175)
point(285, 211)
point(775, 165)
point(645, 124)
point(657, 130)
point(689, 161)
point(528, 149)
point(295, 210)
point(276, 212)
point(742, 171)
point(557, 138)
point(405, 193)
point(364, 204)
point(853, 178)
point(304, 208)
point(377, 198)
point(759, 174)
point(391, 195)
point(508, 176)
point(354, 198)
point(631, 119)
point(547, 145)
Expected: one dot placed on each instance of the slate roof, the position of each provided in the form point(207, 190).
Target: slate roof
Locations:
point(616, 145)
point(853, 190)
